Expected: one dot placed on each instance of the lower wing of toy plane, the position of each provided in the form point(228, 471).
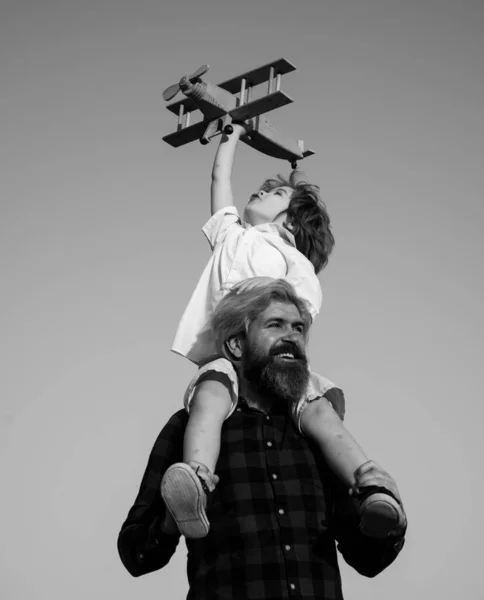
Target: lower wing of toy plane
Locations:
point(267, 138)
point(264, 137)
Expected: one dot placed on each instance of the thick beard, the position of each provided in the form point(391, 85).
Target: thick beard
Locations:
point(274, 379)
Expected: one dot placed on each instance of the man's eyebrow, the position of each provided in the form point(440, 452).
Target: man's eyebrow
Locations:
point(300, 322)
point(272, 319)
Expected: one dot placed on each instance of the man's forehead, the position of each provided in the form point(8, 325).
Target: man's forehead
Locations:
point(280, 310)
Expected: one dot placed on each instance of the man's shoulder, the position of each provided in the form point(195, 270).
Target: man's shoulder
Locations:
point(180, 417)
point(175, 424)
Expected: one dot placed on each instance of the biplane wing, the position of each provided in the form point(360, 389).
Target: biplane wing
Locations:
point(186, 135)
point(250, 108)
point(259, 75)
point(203, 131)
point(242, 112)
point(260, 106)
point(268, 139)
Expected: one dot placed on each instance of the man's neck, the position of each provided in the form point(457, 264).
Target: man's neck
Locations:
point(253, 397)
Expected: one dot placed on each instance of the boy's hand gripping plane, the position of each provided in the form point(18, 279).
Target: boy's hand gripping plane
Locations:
point(231, 101)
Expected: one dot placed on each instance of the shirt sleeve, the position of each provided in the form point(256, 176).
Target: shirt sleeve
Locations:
point(368, 556)
point(301, 276)
point(215, 229)
point(142, 546)
point(337, 399)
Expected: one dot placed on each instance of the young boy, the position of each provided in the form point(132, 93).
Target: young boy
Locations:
point(285, 234)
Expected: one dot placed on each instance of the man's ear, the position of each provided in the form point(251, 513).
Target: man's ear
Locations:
point(233, 347)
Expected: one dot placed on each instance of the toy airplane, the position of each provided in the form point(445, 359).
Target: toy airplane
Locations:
point(230, 101)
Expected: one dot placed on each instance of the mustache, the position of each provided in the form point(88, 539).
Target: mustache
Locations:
point(291, 348)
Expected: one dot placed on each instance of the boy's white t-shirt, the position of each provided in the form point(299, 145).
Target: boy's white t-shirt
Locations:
point(240, 251)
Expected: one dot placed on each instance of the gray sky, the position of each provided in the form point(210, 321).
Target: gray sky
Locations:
point(100, 249)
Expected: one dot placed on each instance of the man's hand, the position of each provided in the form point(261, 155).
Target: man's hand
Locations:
point(369, 474)
point(168, 525)
point(251, 283)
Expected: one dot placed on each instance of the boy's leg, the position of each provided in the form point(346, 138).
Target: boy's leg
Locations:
point(209, 408)
point(380, 510)
point(321, 424)
point(186, 486)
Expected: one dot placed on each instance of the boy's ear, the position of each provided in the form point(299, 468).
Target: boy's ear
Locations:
point(234, 347)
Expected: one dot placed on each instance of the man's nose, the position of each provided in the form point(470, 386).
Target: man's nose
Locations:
point(290, 335)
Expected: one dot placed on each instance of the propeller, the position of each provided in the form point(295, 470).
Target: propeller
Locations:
point(173, 90)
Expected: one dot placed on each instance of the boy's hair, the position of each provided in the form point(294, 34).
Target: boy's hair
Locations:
point(307, 218)
point(237, 311)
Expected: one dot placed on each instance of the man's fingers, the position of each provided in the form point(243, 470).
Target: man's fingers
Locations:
point(371, 474)
point(378, 481)
point(373, 480)
point(370, 465)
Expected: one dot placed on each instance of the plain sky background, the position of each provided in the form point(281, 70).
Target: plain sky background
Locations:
point(100, 249)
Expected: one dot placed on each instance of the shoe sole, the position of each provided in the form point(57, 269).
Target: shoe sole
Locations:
point(183, 495)
point(380, 515)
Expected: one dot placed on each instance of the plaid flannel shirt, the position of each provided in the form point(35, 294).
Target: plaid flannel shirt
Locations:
point(274, 517)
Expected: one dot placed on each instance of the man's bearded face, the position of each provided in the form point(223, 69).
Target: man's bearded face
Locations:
point(278, 369)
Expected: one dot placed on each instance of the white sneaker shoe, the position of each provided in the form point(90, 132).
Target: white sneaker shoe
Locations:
point(185, 494)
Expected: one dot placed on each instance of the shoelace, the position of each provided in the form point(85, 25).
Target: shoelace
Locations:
point(203, 482)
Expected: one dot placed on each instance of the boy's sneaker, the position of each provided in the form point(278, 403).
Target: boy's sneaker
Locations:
point(380, 511)
point(185, 492)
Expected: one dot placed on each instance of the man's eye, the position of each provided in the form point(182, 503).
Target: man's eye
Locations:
point(299, 328)
point(274, 325)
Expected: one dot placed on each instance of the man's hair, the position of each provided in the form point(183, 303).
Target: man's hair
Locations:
point(306, 218)
point(236, 311)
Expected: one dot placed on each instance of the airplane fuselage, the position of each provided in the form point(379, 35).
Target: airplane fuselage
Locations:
point(212, 101)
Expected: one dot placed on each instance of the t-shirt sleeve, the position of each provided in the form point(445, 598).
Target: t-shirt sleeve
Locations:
point(302, 277)
point(216, 228)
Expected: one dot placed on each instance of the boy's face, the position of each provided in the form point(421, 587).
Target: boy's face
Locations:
point(266, 207)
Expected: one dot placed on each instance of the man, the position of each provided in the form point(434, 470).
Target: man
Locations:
point(277, 509)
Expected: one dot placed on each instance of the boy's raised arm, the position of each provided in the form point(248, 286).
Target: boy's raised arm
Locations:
point(221, 190)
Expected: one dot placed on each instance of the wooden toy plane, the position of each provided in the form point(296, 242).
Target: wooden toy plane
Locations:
point(231, 101)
